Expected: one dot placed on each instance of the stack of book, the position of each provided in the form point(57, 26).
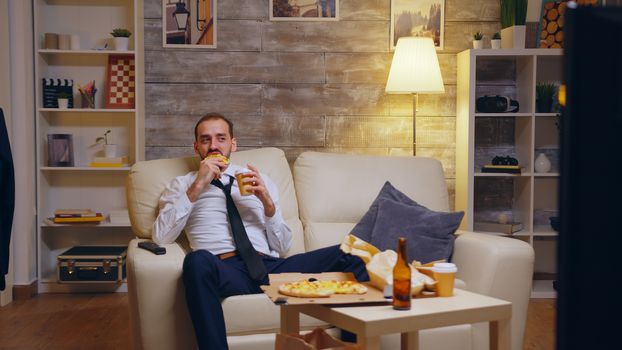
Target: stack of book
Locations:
point(109, 162)
point(507, 228)
point(510, 169)
point(63, 216)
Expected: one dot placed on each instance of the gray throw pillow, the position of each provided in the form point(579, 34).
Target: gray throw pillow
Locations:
point(430, 234)
point(363, 229)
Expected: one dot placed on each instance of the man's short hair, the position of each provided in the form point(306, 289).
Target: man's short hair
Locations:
point(213, 116)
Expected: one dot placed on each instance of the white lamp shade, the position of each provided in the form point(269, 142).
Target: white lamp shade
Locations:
point(415, 68)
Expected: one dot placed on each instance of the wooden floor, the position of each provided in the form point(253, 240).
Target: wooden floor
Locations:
point(100, 321)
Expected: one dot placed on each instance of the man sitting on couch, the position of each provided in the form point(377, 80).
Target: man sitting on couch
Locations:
point(236, 240)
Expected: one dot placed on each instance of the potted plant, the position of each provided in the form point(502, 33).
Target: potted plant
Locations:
point(110, 150)
point(477, 40)
point(513, 15)
point(495, 42)
point(121, 38)
point(544, 96)
point(63, 100)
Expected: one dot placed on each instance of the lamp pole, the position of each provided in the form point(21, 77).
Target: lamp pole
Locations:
point(415, 100)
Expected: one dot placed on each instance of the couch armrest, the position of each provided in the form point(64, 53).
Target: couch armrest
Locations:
point(158, 313)
point(500, 267)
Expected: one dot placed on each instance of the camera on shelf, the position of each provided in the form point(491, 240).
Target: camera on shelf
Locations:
point(507, 160)
point(496, 104)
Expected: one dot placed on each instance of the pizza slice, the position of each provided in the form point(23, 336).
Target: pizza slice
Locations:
point(350, 287)
point(321, 289)
point(305, 289)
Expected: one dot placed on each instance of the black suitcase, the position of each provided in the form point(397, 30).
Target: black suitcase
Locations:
point(93, 264)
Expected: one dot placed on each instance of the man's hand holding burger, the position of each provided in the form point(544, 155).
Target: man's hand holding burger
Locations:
point(210, 168)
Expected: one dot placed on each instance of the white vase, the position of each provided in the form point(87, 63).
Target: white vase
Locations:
point(478, 44)
point(121, 43)
point(63, 103)
point(543, 164)
point(110, 151)
point(495, 43)
point(513, 37)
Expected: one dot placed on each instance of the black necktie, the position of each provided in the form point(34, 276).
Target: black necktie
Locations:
point(251, 258)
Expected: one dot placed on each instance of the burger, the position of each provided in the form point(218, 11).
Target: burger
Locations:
point(218, 156)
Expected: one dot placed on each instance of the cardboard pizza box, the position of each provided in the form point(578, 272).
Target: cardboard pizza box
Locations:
point(373, 295)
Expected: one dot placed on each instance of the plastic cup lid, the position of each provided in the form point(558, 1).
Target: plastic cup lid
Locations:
point(444, 267)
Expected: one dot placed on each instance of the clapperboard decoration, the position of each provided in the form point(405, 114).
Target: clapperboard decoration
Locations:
point(53, 87)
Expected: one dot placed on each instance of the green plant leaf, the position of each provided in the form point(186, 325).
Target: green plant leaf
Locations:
point(121, 32)
point(513, 12)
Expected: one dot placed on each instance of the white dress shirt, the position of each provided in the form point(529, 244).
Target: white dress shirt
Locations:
point(206, 222)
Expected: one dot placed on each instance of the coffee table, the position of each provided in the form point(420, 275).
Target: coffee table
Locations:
point(370, 322)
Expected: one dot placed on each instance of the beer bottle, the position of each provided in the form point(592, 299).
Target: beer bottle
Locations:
point(401, 278)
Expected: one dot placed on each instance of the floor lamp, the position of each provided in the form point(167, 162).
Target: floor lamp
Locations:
point(415, 70)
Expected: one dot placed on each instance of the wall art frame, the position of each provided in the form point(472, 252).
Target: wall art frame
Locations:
point(550, 33)
point(189, 23)
point(60, 150)
point(304, 10)
point(121, 82)
point(418, 18)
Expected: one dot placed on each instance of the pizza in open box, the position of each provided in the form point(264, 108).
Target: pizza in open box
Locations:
point(321, 289)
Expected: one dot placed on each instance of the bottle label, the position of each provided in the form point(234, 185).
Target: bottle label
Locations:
point(401, 297)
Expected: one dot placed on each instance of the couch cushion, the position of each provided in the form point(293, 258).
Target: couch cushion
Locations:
point(393, 214)
point(144, 185)
point(365, 226)
point(338, 188)
point(325, 234)
point(147, 180)
point(430, 233)
point(260, 315)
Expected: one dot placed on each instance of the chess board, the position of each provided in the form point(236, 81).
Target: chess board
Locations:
point(120, 87)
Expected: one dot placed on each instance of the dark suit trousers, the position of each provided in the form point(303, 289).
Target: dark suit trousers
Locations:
point(208, 279)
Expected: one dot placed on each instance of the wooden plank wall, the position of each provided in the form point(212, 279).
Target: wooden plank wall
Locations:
point(304, 85)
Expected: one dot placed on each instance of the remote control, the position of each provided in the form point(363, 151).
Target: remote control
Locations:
point(152, 247)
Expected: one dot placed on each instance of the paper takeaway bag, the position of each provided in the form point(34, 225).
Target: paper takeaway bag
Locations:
point(380, 265)
point(317, 339)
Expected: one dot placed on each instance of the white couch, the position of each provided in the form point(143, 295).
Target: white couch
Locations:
point(325, 198)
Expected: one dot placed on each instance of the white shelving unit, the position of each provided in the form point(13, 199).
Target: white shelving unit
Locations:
point(529, 197)
point(82, 186)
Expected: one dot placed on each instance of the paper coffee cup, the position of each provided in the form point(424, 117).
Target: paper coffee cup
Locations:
point(444, 274)
point(239, 176)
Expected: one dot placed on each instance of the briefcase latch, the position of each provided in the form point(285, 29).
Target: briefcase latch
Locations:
point(106, 266)
point(71, 267)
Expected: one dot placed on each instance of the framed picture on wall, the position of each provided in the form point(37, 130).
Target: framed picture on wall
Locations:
point(121, 82)
point(60, 150)
point(418, 18)
point(189, 23)
point(550, 34)
point(304, 10)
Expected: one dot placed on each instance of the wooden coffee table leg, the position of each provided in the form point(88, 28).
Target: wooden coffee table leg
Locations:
point(368, 343)
point(500, 334)
point(410, 340)
point(290, 320)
